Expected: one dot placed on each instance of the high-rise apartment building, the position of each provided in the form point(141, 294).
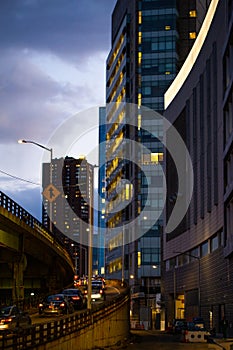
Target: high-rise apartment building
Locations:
point(68, 203)
point(150, 41)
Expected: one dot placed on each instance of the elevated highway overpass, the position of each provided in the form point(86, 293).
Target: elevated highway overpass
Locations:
point(31, 259)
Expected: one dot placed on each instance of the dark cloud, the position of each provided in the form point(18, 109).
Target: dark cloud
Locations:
point(25, 95)
point(34, 101)
point(72, 29)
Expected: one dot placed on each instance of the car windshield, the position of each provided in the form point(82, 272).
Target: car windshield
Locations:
point(97, 284)
point(71, 292)
point(5, 311)
point(55, 298)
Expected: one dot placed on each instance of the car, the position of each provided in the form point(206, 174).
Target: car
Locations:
point(75, 296)
point(179, 324)
point(98, 292)
point(199, 323)
point(12, 318)
point(56, 304)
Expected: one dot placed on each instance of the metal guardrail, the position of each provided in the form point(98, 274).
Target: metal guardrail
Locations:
point(39, 334)
point(19, 212)
point(15, 209)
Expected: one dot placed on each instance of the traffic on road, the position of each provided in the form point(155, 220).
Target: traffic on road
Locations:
point(69, 301)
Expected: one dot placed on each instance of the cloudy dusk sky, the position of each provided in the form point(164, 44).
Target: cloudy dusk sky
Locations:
point(52, 66)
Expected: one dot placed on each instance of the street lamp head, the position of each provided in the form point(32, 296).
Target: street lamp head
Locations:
point(22, 141)
point(39, 145)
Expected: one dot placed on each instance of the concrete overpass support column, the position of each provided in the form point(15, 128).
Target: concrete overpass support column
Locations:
point(18, 283)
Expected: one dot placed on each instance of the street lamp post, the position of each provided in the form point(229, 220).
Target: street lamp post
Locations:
point(174, 290)
point(199, 278)
point(90, 247)
point(89, 287)
point(75, 258)
point(123, 257)
point(50, 172)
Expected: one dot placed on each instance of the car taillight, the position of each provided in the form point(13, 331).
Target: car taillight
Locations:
point(7, 320)
point(101, 292)
point(75, 298)
point(62, 304)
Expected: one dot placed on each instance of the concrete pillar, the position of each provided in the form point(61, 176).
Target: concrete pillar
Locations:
point(18, 285)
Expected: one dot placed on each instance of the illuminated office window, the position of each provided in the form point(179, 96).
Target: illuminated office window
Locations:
point(139, 58)
point(127, 195)
point(192, 35)
point(139, 259)
point(140, 17)
point(167, 27)
point(139, 121)
point(193, 13)
point(156, 157)
point(139, 38)
point(139, 100)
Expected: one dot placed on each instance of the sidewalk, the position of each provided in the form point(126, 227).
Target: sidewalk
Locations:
point(226, 344)
point(212, 344)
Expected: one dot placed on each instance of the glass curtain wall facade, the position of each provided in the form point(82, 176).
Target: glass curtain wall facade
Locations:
point(115, 133)
point(101, 192)
point(150, 40)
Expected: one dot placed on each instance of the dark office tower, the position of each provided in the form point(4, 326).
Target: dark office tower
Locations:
point(68, 202)
point(150, 40)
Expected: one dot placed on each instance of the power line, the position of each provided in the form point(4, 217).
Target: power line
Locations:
point(19, 178)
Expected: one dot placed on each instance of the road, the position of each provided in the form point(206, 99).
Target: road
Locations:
point(156, 340)
point(111, 292)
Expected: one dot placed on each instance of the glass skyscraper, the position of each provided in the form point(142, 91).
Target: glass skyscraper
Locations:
point(150, 40)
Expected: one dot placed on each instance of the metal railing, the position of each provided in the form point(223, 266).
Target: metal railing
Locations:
point(14, 208)
point(42, 333)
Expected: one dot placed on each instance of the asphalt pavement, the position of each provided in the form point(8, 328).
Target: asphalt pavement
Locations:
point(157, 340)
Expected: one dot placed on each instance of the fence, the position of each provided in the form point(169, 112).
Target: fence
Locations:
point(39, 334)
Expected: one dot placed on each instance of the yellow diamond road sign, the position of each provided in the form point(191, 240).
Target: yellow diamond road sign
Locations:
point(51, 193)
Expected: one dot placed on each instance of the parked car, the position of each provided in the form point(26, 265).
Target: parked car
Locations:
point(75, 296)
point(55, 304)
point(12, 318)
point(199, 323)
point(179, 324)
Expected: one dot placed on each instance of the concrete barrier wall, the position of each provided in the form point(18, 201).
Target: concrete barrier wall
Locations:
point(112, 330)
